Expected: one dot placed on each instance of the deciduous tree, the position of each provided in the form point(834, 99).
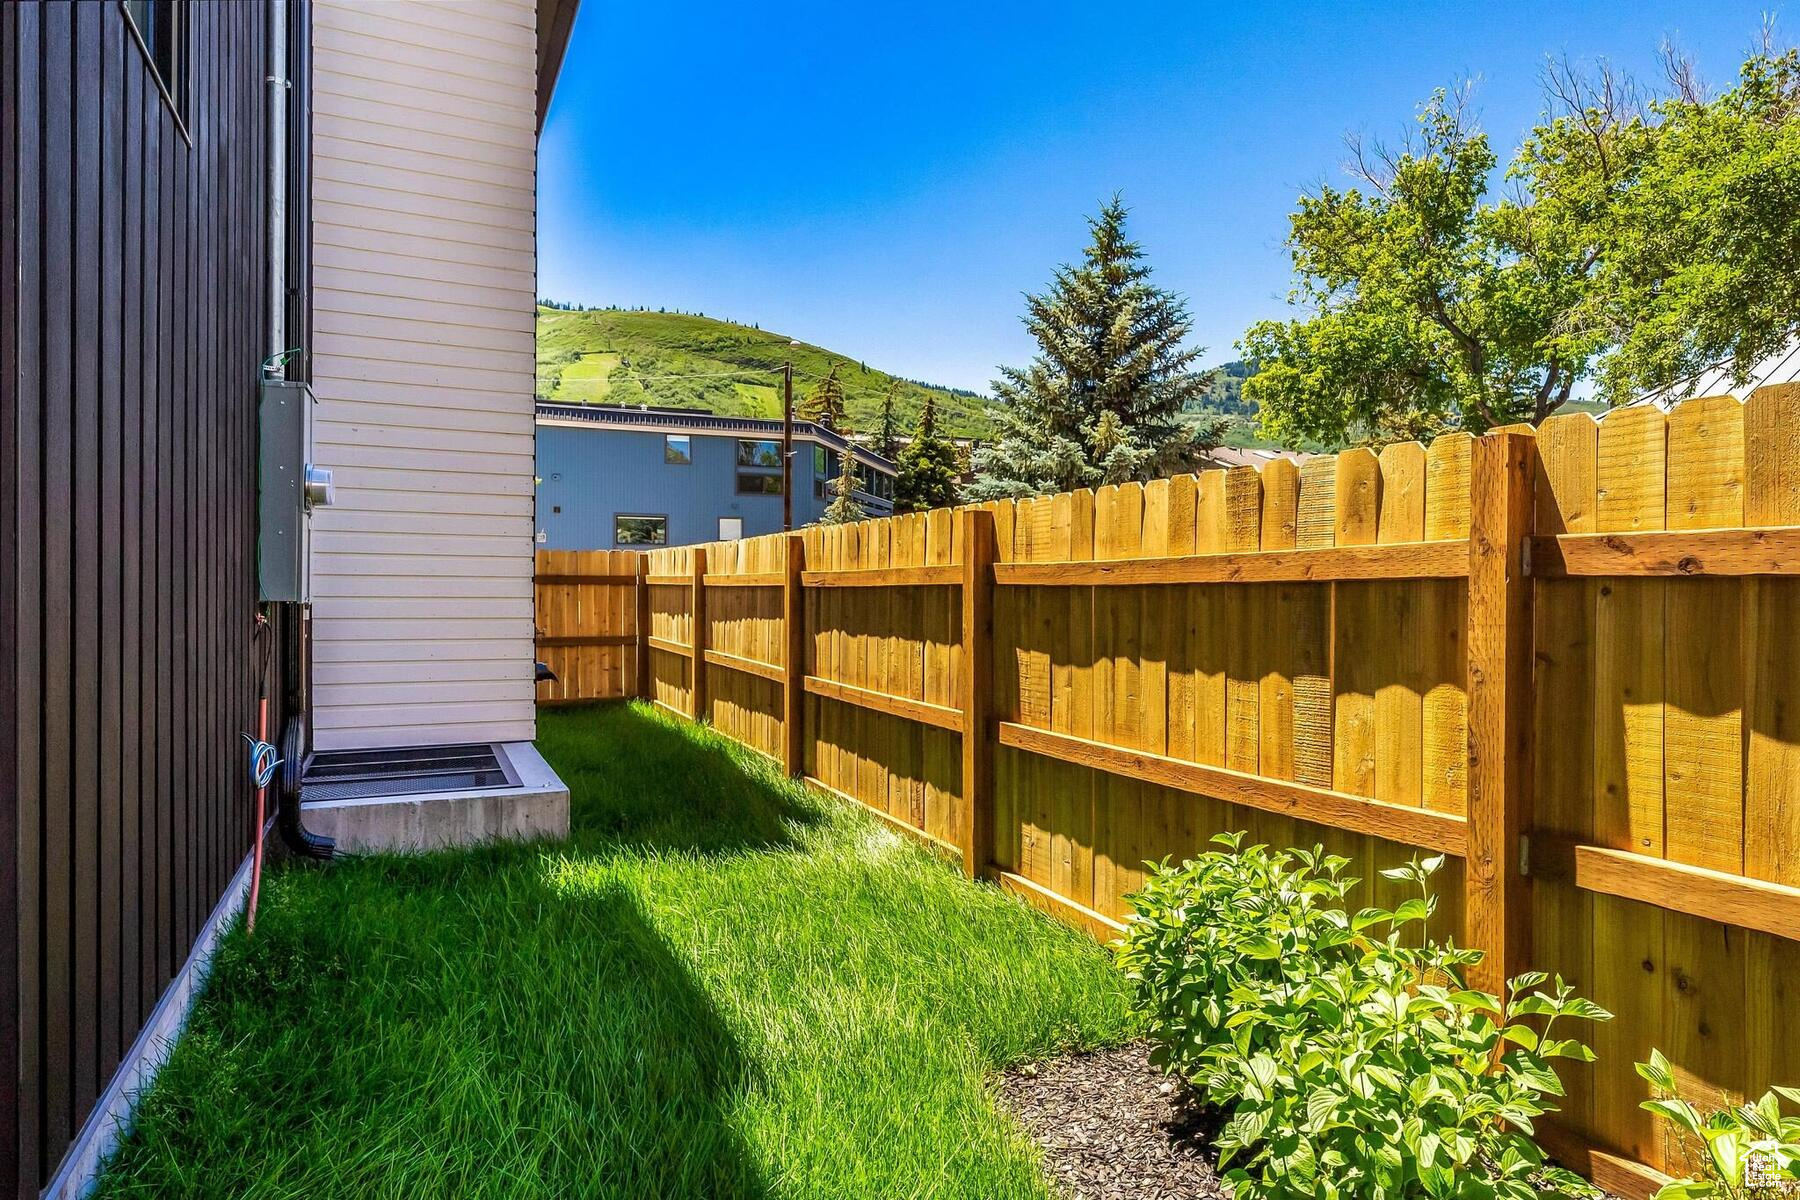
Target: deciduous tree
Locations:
point(1641, 243)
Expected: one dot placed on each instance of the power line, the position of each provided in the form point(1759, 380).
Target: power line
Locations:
point(636, 374)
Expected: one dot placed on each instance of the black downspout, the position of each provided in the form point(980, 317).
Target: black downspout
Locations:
point(288, 180)
point(287, 812)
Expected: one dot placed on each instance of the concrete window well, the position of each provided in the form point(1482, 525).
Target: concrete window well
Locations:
point(432, 797)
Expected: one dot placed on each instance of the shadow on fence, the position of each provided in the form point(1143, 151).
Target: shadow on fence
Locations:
point(1566, 658)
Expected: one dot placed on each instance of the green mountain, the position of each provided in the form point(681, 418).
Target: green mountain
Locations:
point(678, 360)
point(1224, 397)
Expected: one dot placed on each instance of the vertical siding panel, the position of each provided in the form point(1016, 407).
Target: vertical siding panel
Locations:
point(152, 770)
point(207, 525)
point(106, 347)
point(168, 343)
point(10, 917)
point(186, 354)
point(235, 608)
point(57, 247)
point(84, 596)
point(20, 562)
point(131, 217)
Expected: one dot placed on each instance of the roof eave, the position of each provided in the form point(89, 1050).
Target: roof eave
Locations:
point(555, 21)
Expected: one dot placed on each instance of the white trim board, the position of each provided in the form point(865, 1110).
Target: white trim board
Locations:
point(110, 1120)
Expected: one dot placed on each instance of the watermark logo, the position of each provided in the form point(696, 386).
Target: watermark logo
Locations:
point(1763, 1177)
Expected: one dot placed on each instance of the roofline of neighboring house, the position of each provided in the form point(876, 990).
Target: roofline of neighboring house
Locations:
point(555, 21)
point(672, 420)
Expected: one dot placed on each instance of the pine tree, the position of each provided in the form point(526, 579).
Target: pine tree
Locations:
point(844, 507)
point(887, 441)
point(928, 466)
point(1102, 401)
point(825, 403)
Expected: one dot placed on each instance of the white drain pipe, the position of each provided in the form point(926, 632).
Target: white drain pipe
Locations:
point(275, 366)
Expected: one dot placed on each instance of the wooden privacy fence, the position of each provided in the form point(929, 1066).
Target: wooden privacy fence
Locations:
point(587, 624)
point(1567, 660)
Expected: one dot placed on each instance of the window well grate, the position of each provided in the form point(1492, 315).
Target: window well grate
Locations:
point(367, 774)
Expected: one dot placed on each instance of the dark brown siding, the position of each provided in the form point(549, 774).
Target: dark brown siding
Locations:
point(10, 1174)
point(132, 293)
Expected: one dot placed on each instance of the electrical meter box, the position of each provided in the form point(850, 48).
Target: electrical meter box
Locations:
point(289, 487)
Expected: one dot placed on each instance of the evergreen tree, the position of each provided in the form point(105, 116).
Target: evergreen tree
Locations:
point(825, 403)
point(1102, 401)
point(844, 507)
point(928, 466)
point(887, 441)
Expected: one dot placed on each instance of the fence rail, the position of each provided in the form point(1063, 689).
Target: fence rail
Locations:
point(1568, 660)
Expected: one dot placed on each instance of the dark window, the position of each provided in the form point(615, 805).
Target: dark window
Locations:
point(874, 482)
point(640, 531)
point(758, 483)
point(162, 27)
point(821, 461)
point(676, 449)
point(756, 453)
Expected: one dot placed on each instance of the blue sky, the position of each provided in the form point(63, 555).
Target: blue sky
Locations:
point(886, 179)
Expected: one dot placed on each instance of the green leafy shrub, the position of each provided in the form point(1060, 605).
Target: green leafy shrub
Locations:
point(1349, 1063)
point(1751, 1152)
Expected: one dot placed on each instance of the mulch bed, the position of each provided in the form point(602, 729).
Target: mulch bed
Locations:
point(1113, 1127)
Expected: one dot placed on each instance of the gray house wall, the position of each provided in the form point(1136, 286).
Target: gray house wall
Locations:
point(587, 477)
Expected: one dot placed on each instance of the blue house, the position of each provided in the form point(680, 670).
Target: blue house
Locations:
point(611, 477)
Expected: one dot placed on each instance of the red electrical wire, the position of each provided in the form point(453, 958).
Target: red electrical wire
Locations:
point(261, 638)
point(262, 734)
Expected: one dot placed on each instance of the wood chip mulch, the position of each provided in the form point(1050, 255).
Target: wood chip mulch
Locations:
point(1113, 1127)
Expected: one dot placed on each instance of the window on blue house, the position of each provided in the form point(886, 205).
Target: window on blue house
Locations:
point(754, 452)
point(875, 483)
point(759, 483)
point(676, 449)
point(640, 531)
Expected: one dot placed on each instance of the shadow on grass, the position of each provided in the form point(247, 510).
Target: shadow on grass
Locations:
point(638, 781)
point(562, 1019)
point(638, 778)
point(501, 1041)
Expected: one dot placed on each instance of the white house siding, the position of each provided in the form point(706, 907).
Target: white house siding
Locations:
point(425, 261)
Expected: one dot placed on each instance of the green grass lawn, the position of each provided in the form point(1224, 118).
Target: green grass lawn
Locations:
point(720, 986)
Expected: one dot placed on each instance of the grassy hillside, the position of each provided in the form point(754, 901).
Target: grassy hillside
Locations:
point(675, 360)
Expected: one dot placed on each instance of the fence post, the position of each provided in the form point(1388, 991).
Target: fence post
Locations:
point(977, 834)
point(698, 609)
point(793, 624)
point(1498, 898)
point(641, 599)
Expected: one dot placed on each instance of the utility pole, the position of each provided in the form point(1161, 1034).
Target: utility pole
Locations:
point(787, 447)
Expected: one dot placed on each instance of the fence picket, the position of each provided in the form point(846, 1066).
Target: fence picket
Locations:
point(1703, 732)
point(1772, 759)
point(1628, 796)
